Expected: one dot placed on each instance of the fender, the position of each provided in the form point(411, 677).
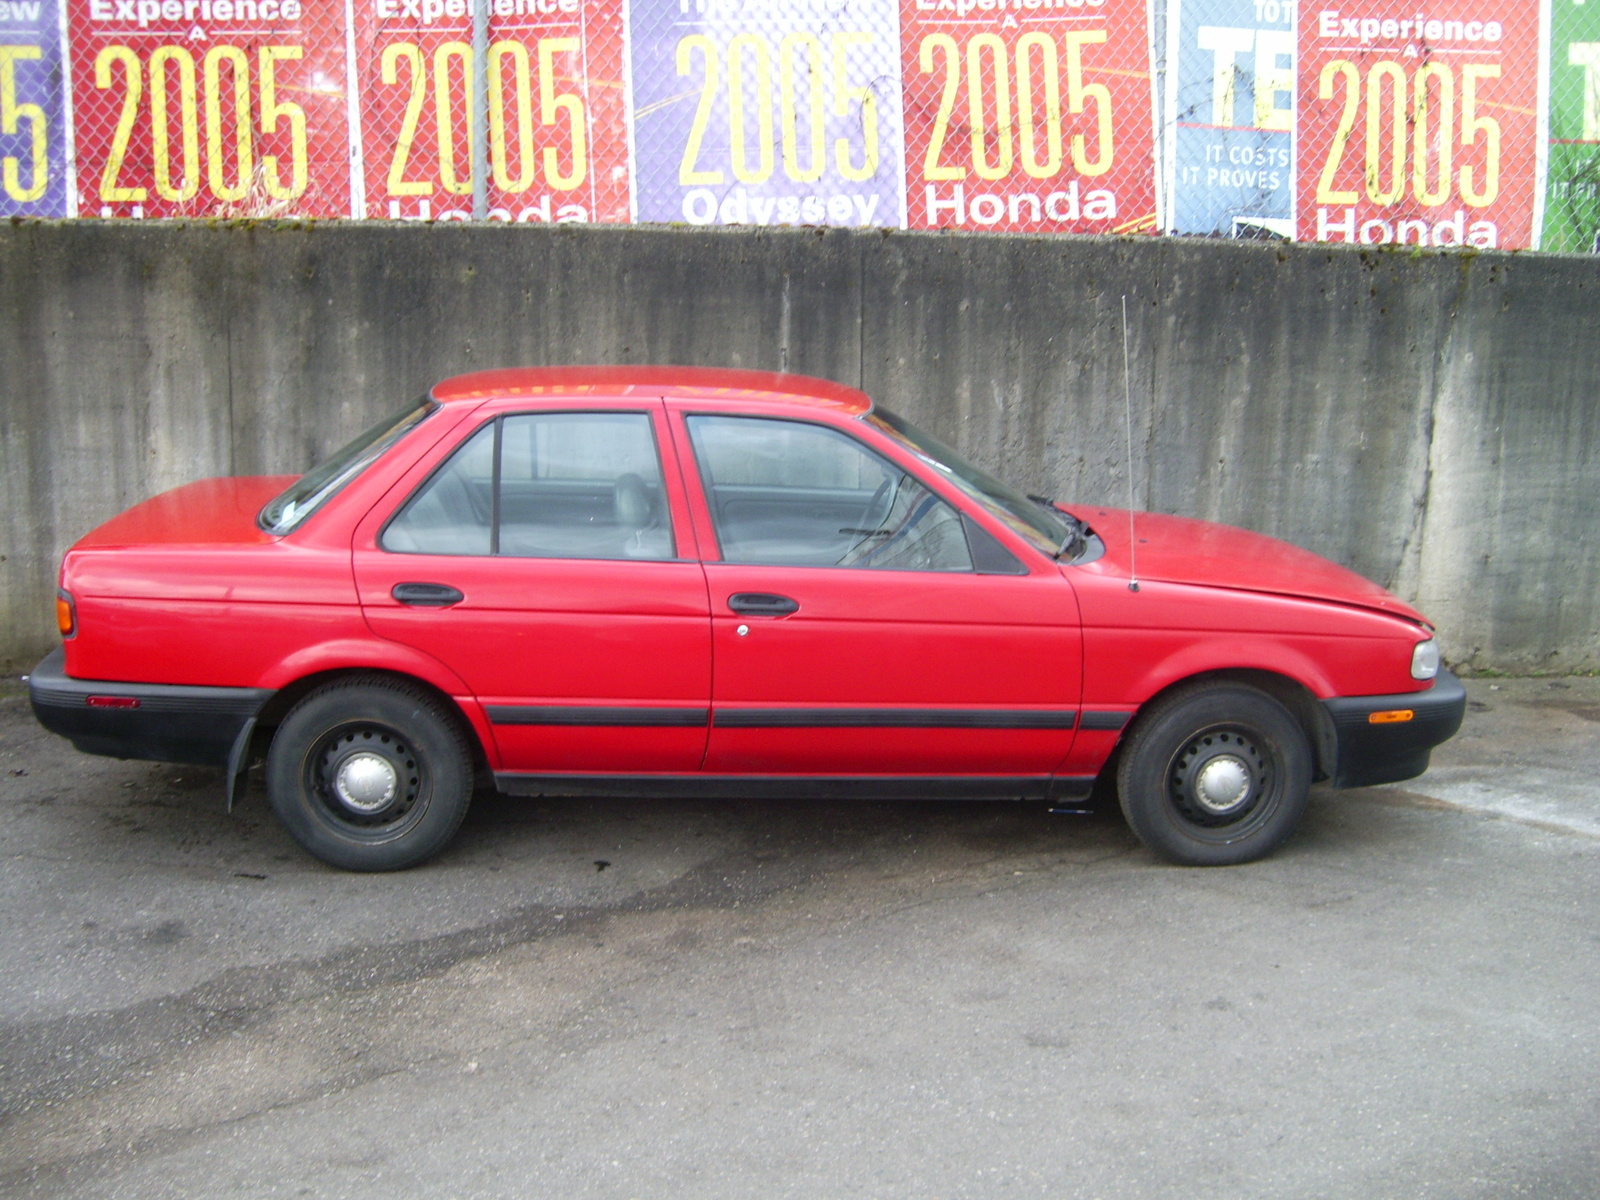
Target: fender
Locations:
point(1229, 653)
point(380, 654)
point(1120, 698)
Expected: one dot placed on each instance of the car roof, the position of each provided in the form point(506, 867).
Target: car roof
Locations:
point(703, 382)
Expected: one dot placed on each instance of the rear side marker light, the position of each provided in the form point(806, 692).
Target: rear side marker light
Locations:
point(66, 614)
point(1393, 717)
point(112, 701)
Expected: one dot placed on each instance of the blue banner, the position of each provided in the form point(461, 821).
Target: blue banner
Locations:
point(766, 112)
point(33, 127)
point(1230, 116)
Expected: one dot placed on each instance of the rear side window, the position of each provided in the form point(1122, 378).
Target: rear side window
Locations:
point(453, 512)
point(544, 485)
point(795, 494)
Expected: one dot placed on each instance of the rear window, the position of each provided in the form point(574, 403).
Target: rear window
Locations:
point(324, 481)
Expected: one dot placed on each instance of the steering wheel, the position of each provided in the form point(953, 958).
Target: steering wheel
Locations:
point(871, 518)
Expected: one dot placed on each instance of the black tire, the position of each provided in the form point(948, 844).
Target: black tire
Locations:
point(370, 774)
point(1214, 774)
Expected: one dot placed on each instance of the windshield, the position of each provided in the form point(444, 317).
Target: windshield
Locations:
point(308, 493)
point(1048, 528)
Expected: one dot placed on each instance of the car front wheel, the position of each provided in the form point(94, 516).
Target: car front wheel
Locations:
point(1214, 774)
point(370, 774)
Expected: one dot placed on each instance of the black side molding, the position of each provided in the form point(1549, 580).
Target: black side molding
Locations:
point(595, 714)
point(789, 787)
point(893, 718)
point(783, 718)
point(1104, 721)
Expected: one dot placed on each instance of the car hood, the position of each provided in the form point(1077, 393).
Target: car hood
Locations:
point(209, 512)
point(1204, 554)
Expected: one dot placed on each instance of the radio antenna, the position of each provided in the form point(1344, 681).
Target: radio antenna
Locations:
point(1127, 410)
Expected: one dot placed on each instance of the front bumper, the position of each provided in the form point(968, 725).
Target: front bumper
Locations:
point(157, 721)
point(1370, 754)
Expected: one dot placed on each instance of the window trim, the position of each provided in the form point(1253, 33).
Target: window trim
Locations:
point(702, 476)
point(412, 420)
point(496, 420)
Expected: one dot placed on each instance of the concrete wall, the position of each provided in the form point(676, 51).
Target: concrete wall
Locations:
point(1430, 420)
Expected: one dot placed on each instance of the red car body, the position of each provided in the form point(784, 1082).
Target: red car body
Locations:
point(192, 632)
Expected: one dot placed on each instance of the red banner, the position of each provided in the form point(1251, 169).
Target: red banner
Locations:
point(1416, 124)
point(202, 108)
point(557, 137)
point(1028, 115)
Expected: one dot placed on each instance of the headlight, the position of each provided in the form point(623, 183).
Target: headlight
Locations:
point(1425, 660)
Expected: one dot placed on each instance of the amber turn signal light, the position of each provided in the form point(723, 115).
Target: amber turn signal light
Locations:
point(1392, 717)
point(66, 614)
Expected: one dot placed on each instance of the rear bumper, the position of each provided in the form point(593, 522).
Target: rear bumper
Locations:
point(156, 721)
point(1370, 754)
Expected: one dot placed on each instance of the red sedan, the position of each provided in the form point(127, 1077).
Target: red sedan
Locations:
point(661, 581)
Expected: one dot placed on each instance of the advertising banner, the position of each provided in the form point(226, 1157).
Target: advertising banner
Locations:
point(766, 112)
point(202, 108)
point(1230, 117)
point(33, 91)
point(1029, 115)
point(1417, 122)
point(557, 140)
point(1572, 172)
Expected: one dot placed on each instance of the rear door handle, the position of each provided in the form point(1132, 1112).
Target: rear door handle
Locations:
point(427, 595)
point(762, 604)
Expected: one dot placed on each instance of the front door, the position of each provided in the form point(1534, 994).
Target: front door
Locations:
point(541, 563)
point(853, 633)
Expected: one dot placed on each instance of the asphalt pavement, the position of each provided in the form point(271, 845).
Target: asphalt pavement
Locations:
point(751, 999)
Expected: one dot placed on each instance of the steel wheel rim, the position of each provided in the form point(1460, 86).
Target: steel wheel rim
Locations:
point(1224, 782)
point(366, 780)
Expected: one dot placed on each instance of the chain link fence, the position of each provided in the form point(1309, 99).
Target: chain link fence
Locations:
point(1572, 194)
point(1418, 130)
point(1357, 122)
point(1029, 116)
point(210, 108)
point(1229, 154)
point(34, 163)
point(520, 119)
point(770, 114)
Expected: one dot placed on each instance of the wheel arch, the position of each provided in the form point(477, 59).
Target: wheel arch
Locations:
point(286, 697)
point(1295, 696)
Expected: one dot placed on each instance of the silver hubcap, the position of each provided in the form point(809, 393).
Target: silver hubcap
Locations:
point(1223, 783)
point(366, 782)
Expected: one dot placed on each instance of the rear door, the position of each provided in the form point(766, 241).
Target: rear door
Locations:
point(862, 624)
point(546, 557)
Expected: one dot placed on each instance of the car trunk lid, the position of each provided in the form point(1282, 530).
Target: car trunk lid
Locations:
point(208, 512)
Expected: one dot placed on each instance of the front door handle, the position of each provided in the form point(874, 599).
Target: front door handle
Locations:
point(762, 604)
point(427, 595)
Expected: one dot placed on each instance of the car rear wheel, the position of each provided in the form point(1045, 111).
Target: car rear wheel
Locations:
point(370, 774)
point(1214, 774)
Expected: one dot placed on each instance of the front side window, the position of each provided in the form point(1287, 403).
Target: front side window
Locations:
point(795, 494)
point(1041, 524)
point(544, 485)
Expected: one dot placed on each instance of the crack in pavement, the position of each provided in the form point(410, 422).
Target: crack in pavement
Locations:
point(43, 1062)
point(290, 1042)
